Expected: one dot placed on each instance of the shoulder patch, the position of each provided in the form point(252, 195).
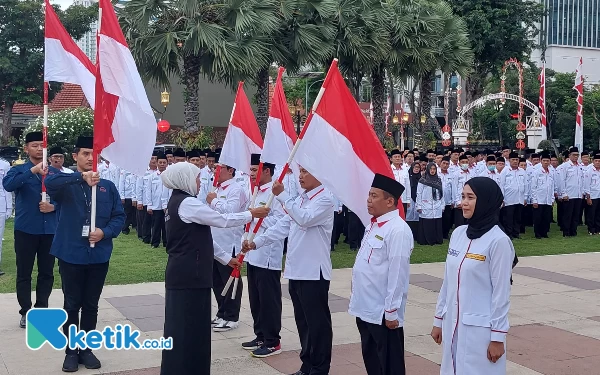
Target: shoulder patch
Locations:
point(478, 257)
point(379, 237)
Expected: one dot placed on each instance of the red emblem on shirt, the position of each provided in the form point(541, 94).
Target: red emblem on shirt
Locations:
point(103, 189)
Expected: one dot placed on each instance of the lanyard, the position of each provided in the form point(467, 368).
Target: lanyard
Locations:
point(88, 204)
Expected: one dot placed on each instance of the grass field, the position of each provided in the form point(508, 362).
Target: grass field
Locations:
point(134, 262)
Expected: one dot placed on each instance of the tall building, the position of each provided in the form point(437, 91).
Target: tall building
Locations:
point(571, 29)
point(88, 42)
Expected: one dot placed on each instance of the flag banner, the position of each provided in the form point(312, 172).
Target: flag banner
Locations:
point(542, 103)
point(579, 118)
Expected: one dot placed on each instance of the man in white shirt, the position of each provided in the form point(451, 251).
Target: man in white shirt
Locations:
point(461, 176)
point(157, 198)
point(126, 189)
point(544, 189)
point(144, 221)
point(179, 156)
point(571, 192)
point(380, 280)
point(514, 186)
point(57, 159)
point(401, 175)
point(264, 272)
point(591, 189)
point(308, 223)
point(228, 198)
point(490, 170)
point(447, 185)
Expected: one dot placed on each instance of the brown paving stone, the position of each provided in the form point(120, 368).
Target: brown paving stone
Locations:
point(141, 371)
point(560, 278)
point(140, 300)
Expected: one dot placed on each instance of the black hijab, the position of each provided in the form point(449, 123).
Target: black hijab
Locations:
point(433, 181)
point(414, 180)
point(487, 208)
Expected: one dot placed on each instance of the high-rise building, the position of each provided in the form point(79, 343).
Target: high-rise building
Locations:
point(570, 30)
point(87, 43)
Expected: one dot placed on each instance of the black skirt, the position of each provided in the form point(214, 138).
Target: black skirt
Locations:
point(187, 321)
point(430, 232)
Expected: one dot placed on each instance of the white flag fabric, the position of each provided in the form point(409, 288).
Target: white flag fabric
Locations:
point(64, 61)
point(579, 118)
point(124, 124)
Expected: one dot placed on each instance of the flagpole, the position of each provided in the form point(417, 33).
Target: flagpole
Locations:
point(255, 185)
point(94, 151)
point(45, 140)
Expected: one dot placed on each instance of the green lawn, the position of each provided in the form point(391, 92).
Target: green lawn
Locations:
point(134, 262)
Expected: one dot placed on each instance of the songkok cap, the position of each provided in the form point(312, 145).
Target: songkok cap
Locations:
point(255, 159)
point(217, 156)
point(34, 137)
point(463, 157)
point(505, 148)
point(500, 159)
point(439, 152)
point(522, 160)
point(193, 154)
point(154, 153)
point(423, 157)
point(491, 158)
point(584, 153)
point(210, 154)
point(179, 153)
point(56, 151)
point(455, 151)
point(446, 158)
point(513, 155)
point(497, 154)
point(535, 156)
point(410, 153)
point(395, 152)
point(545, 155)
point(85, 142)
point(218, 150)
point(468, 153)
point(161, 155)
point(597, 157)
point(168, 151)
point(388, 184)
point(573, 149)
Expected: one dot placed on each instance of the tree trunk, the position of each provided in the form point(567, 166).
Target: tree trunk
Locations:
point(262, 99)
point(473, 90)
point(378, 98)
point(7, 122)
point(191, 83)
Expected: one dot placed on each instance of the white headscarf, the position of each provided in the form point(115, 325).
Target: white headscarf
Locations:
point(181, 176)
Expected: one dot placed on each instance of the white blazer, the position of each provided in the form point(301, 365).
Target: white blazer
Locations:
point(430, 208)
point(472, 307)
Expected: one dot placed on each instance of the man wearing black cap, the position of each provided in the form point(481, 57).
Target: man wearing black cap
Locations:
point(144, 221)
point(35, 225)
point(169, 154)
point(571, 192)
point(458, 183)
point(194, 158)
point(544, 190)
point(514, 186)
point(401, 175)
point(157, 197)
point(179, 156)
point(380, 279)
point(447, 184)
point(591, 189)
point(82, 268)
point(57, 159)
point(264, 272)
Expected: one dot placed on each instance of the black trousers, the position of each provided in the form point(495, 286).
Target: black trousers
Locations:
point(459, 219)
point(129, 215)
point(512, 220)
point(229, 309)
point(582, 210)
point(447, 217)
point(187, 321)
point(542, 216)
point(147, 232)
point(571, 216)
point(264, 293)
point(313, 321)
point(140, 216)
point(158, 228)
point(81, 285)
point(526, 217)
point(592, 216)
point(382, 348)
point(27, 248)
point(559, 213)
point(356, 231)
point(338, 227)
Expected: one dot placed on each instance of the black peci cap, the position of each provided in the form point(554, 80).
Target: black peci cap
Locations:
point(85, 142)
point(388, 184)
point(34, 137)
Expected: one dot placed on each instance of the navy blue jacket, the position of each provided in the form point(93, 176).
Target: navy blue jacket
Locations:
point(74, 197)
point(28, 195)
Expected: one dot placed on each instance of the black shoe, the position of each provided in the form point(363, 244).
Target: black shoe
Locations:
point(299, 373)
point(71, 364)
point(89, 360)
point(252, 345)
point(23, 322)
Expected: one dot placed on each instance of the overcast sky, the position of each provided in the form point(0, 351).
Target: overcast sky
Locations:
point(64, 4)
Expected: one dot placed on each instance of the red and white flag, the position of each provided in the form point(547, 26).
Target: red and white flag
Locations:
point(243, 136)
point(280, 136)
point(124, 124)
point(340, 148)
point(64, 61)
point(579, 118)
point(542, 102)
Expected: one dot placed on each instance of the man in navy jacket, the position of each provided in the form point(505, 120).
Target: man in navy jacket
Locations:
point(83, 268)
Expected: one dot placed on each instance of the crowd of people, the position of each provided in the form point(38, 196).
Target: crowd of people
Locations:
point(199, 216)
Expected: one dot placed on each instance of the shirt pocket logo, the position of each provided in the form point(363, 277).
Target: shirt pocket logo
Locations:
point(478, 257)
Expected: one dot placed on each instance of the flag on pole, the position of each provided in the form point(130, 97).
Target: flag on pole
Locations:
point(243, 136)
point(280, 136)
point(124, 124)
point(340, 148)
point(542, 102)
point(64, 61)
point(579, 118)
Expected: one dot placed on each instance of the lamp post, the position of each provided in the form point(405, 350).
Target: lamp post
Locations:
point(306, 94)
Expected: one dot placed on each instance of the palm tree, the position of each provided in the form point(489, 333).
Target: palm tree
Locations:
point(222, 40)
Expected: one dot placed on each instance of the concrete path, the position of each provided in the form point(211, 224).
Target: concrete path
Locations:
point(555, 326)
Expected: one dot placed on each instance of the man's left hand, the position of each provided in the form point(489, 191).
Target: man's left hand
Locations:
point(96, 235)
point(392, 324)
point(277, 188)
point(210, 197)
point(46, 207)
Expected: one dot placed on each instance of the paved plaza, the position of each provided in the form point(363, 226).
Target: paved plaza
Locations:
point(554, 317)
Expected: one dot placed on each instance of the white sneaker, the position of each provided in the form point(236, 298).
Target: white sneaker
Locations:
point(225, 326)
point(216, 321)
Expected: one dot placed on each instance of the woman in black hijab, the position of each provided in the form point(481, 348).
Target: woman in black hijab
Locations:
point(475, 317)
point(412, 216)
point(430, 206)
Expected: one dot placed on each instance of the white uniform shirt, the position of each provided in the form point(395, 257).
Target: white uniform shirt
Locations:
point(126, 186)
point(454, 168)
point(474, 301)
point(591, 183)
point(230, 199)
point(401, 175)
point(267, 256)
point(291, 184)
point(244, 181)
point(109, 172)
point(206, 183)
point(460, 178)
point(543, 186)
point(157, 196)
point(447, 183)
point(493, 175)
point(381, 272)
point(139, 188)
point(514, 186)
point(6, 198)
point(308, 226)
point(571, 180)
point(430, 208)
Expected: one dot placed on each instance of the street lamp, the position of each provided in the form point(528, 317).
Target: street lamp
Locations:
point(423, 119)
point(308, 75)
point(395, 120)
point(405, 117)
point(165, 98)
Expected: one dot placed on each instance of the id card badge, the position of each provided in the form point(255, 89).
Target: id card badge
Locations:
point(85, 232)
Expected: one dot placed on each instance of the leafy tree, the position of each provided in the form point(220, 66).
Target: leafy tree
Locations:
point(21, 51)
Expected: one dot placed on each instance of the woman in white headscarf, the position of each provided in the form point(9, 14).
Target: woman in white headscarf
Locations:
point(188, 276)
